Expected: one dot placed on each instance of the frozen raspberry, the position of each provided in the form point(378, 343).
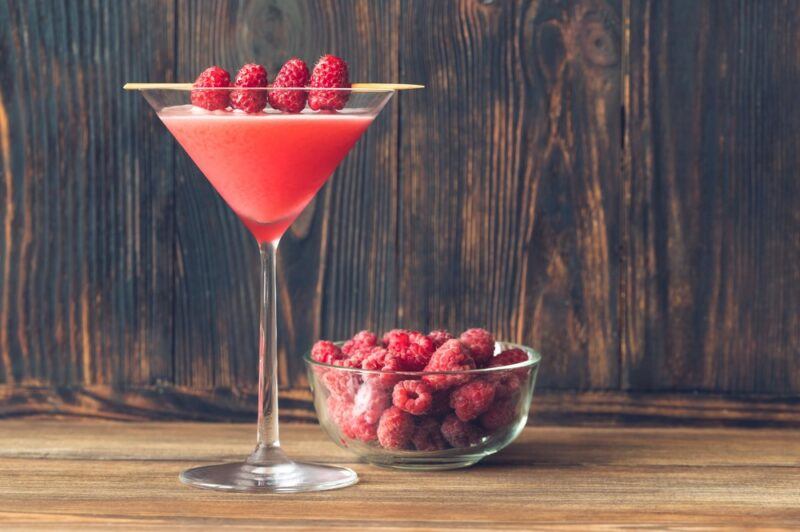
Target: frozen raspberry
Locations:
point(359, 354)
point(330, 72)
point(343, 384)
point(340, 412)
point(370, 402)
point(250, 75)
point(396, 339)
point(460, 433)
point(507, 384)
point(412, 396)
point(361, 339)
point(472, 399)
point(438, 337)
point(391, 364)
point(509, 357)
point(500, 414)
point(452, 356)
point(326, 352)
point(210, 99)
point(363, 430)
point(427, 436)
point(395, 429)
point(375, 360)
point(293, 73)
point(480, 344)
point(413, 349)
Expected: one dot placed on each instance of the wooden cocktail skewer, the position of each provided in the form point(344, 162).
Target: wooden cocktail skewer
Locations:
point(355, 87)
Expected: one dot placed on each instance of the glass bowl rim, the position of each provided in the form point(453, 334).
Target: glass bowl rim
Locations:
point(534, 358)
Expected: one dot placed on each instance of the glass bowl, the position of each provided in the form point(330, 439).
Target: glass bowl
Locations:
point(407, 419)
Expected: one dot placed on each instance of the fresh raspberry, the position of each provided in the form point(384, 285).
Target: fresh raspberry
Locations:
point(395, 429)
point(439, 336)
point(343, 384)
point(509, 357)
point(326, 352)
point(362, 430)
point(507, 384)
point(500, 414)
point(329, 72)
point(361, 339)
point(452, 356)
point(370, 402)
point(250, 101)
point(293, 73)
point(427, 436)
point(472, 399)
point(412, 396)
point(209, 99)
point(480, 344)
point(460, 433)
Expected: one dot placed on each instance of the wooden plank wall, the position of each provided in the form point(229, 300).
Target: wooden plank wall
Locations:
point(610, 181)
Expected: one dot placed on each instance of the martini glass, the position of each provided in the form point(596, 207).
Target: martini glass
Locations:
point(267, 166)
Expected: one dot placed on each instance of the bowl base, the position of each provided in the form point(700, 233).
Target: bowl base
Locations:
point(440, 464)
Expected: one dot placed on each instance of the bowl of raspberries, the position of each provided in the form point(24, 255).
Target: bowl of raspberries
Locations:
point(412, 400)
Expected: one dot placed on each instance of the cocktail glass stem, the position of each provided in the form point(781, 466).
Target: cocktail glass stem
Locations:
point(268, 351)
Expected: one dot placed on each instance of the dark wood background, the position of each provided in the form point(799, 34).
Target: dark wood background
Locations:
point(612, 182)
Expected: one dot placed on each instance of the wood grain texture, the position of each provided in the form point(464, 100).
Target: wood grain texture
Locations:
point(509, 159)
point(86, 280)
point(549, 407)
point(72, 475)
point(712, 280)
point(336, 263)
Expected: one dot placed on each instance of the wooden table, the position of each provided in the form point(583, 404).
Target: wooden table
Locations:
point(78, 474)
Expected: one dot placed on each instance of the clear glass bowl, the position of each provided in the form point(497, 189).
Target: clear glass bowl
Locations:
point(351, 401)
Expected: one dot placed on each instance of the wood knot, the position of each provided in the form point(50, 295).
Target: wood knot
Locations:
point(598, 40)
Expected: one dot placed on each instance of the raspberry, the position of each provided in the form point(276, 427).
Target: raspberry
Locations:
point(509, 357)
point(395, 429)
point(460, 433)
point(413, 349)
point(480, 344)
point(452, 356)
point(329, 72)
point(209, 99)
point(359, 354)
point(472, 399)
point(250, 101)
point(361, 339)
point(507, 385)
point(363, 430)
point(412, 396)
point(396, 339)
point(375, 360)
point(293, 73)
point(438, 337)
point(390, 365)
point(343, 384)
point(370, 402)
point(326, 352)
point(340, 412)
point(500, 414)
point(427, 436)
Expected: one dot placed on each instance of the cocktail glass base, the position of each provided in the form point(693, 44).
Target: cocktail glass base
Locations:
point(293, 478)
point(260, 473)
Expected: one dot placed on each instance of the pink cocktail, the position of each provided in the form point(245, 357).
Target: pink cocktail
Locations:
point(267, 166)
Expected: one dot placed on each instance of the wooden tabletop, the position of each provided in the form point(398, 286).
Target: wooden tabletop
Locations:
point(79, 474)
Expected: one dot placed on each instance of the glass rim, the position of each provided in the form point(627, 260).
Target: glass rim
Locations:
point(357, 90)
point(534, 358)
